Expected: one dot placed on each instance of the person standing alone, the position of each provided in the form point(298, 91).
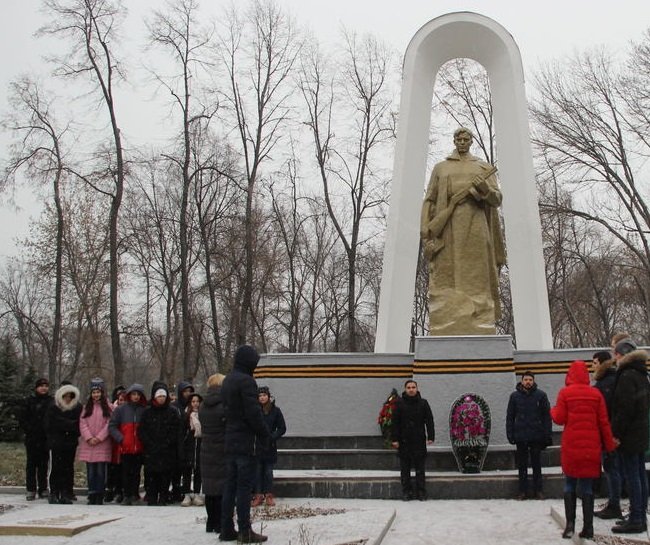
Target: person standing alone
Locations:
point(528, 426)
point(412, 430)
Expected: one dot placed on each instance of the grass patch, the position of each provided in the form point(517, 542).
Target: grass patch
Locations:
point(12, 466)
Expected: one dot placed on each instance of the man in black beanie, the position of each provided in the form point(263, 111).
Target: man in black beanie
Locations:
point(244, 421)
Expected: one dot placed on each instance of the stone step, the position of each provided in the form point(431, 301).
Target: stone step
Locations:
point(386, 484)
point(438, 459)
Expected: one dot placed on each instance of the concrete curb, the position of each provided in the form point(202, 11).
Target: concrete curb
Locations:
point(385, 529)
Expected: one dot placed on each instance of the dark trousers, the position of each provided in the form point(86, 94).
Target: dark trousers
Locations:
point(114, 478)
point(62, 474)
point(37, 463)
point(191, 479)
point(131, 466)
point(96, 473)
point(407, 461)
point(637, 485)
point(264, 477)
point(240, 478)
point(613, 474)
point(532, 451)
point(157, 486)
point(213, 510)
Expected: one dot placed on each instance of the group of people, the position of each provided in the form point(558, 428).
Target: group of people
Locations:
point(218, 451)
point(605, 426)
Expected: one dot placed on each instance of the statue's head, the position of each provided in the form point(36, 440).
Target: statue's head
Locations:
point(463, 139)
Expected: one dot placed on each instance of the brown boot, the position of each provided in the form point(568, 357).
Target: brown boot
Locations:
point(257, 500)
point(269, 500)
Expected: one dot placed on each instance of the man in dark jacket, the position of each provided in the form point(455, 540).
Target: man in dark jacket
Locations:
point(528, 426)
point(604, 368)
point(244, 422)
point(630, 404)
point(412, 430)
point(184, 390)
point(32, 418)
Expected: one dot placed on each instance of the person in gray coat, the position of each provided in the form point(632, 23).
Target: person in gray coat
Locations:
point(213, 457)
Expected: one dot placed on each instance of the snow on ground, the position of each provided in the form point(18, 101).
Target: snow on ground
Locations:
point(449, 522)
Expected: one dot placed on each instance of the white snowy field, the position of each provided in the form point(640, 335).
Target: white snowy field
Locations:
point(450, 522)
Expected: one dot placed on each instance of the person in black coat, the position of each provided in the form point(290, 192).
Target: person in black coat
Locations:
point(31, 419)
point(62, 429)
point(604, 367)
point(212, 416)
point(159, 431)
point(528, 426)
point(630, 405)
point(267, 456)
point(412, 430)
point(244, 422)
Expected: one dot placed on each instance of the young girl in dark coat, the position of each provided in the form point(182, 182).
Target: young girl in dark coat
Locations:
point(267, 457)
point(191, 462)
point(159, 432)
point(62, 428)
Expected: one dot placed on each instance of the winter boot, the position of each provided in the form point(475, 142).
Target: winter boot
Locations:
point(269, 500)
point(109, 496)
point(31, 496)
point(249, 536)
point(587, 516)
point(187, 500)
point(198, 500)
point(570, 514)
point(609, 512)
point(257, 500)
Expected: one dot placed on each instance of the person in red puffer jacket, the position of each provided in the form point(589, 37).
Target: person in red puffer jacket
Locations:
point(124, 430)
point(581, 409)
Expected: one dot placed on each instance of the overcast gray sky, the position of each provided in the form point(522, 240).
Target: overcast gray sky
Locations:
point(544, 30)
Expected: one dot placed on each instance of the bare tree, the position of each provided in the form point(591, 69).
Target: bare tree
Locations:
point(593, 146)
point(177, 32)
point(353, 98)
point(258, 51)
point(38, 152)
point(92, 27)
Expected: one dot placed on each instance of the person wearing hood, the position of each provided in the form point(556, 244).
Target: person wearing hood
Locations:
point(95, 441)
point(630, 405)
point(123, 428)
point(159, 432)
point(268, 457)
point(212, 416)
point(62, 428)
point(528, 426)
point(184, 390)
point(411, 431)
point(581, 409)
point(244, 422)
point(31, 419)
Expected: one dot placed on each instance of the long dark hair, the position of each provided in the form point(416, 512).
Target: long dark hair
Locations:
point(88, 408)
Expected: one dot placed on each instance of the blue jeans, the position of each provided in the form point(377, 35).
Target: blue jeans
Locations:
point(96, 473)
point(237, 491)
point(637, 485)
point(264, 477)
point(613, 474)
point(586, 485)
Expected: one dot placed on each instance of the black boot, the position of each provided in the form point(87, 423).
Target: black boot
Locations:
point(587, 516)
point(570, 514)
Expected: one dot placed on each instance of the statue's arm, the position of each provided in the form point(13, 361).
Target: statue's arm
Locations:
point(486, 189)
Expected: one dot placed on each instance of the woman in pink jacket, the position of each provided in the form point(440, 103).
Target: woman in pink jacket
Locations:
point(95, 441)
point(581, 409)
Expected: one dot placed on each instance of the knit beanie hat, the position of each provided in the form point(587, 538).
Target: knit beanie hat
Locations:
point(246, 357)
point(625, 347)
point(160, 392)
point(97, 384)
point(41, 381)
point(264, 390)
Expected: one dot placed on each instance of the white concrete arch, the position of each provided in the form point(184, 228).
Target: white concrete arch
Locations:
point(474, 36)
